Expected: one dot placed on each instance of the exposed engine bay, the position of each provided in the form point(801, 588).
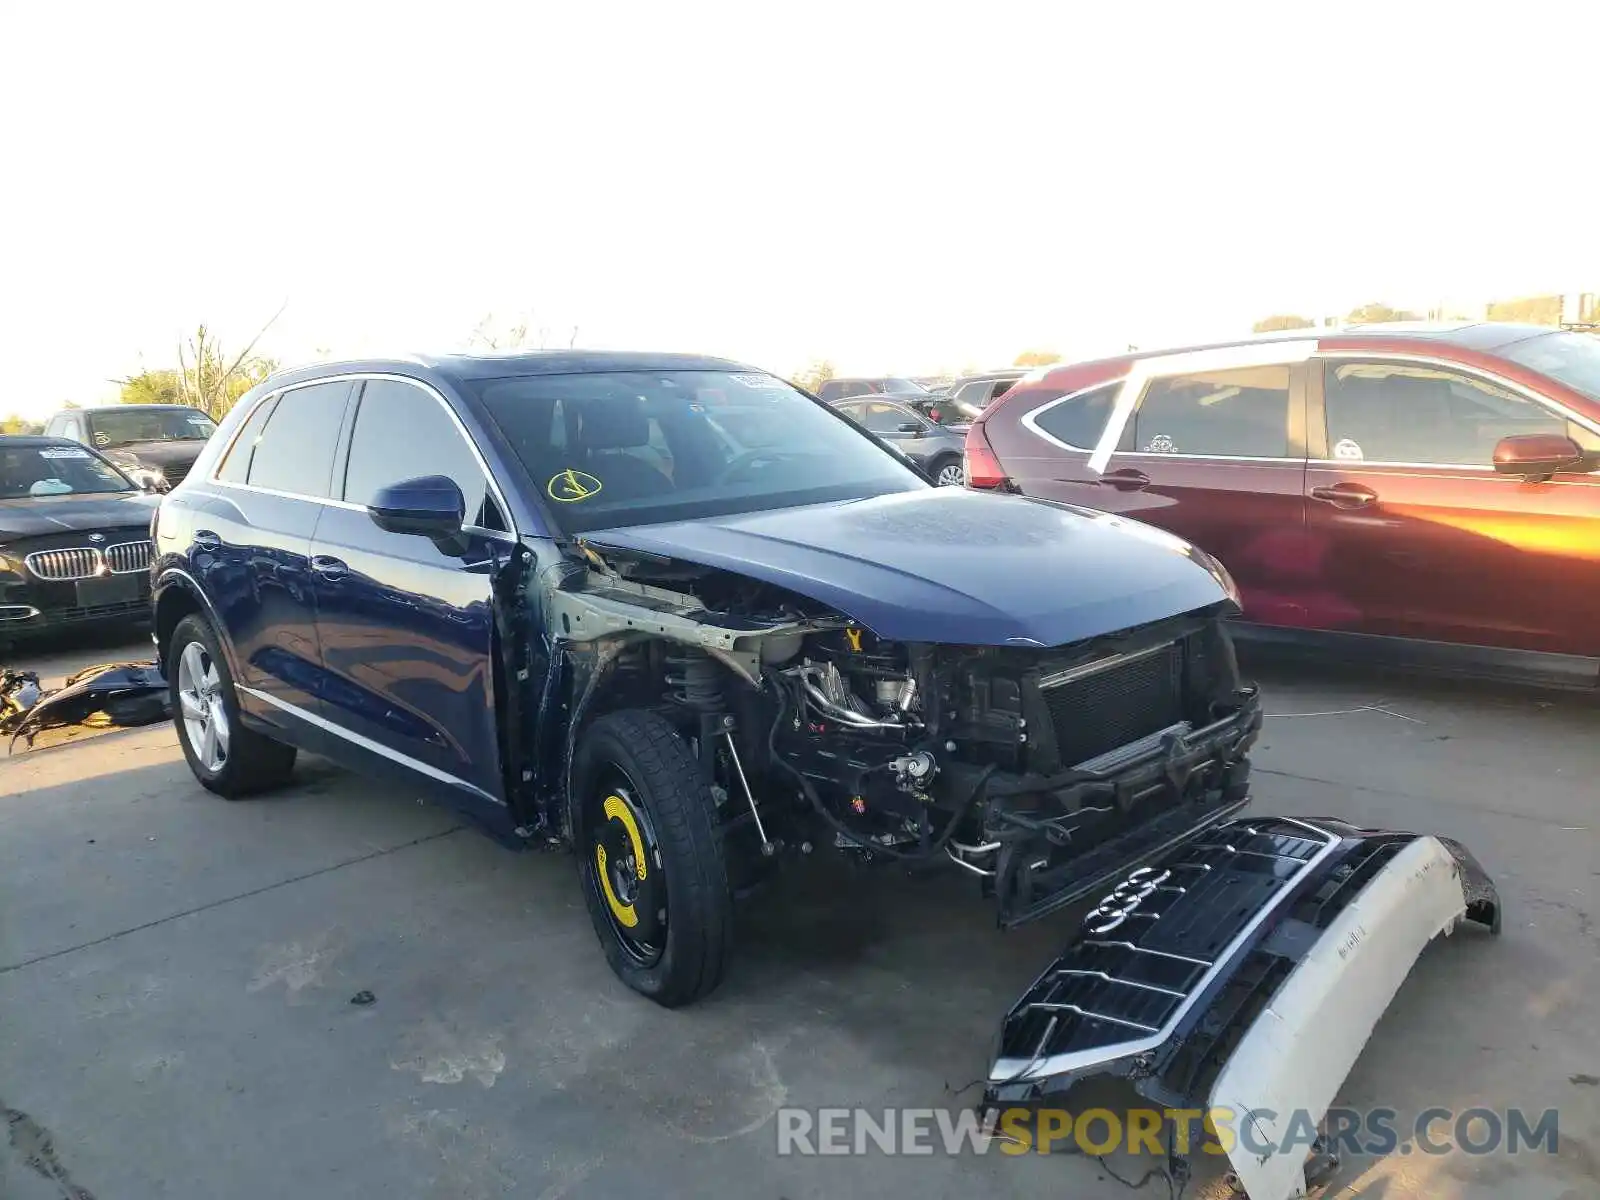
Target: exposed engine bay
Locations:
point(1041, 772)
point(1230, 964)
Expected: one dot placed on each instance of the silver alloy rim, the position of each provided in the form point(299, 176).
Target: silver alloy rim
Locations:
point(951, 476)
point(205, 721)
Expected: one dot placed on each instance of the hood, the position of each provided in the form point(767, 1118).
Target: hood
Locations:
point(34, 516)
point(953, 566)
point(157, 453)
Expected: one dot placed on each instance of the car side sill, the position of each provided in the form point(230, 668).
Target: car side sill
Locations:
point(323, 725)
point(1539, 668)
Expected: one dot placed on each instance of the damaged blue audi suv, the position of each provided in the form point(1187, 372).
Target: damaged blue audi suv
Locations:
point(695, 624)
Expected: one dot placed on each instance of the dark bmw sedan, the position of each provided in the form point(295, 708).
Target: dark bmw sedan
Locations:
point(153, 444)
point(74, 538)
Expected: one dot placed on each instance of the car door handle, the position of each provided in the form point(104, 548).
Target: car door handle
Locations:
point(1126, 480)
point(1344, 495)
point(204, 539)
point(328, 567)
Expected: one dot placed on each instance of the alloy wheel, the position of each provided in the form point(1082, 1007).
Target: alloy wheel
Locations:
point(205, 720)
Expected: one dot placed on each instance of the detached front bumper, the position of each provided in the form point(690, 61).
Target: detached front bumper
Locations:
point(1243, 971)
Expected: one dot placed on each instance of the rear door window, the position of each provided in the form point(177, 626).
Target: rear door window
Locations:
point(294, 452)
point(1227, 413)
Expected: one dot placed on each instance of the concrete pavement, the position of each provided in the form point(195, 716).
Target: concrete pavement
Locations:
point(176, 975)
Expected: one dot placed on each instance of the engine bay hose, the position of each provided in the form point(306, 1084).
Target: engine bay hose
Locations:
point(784, 701)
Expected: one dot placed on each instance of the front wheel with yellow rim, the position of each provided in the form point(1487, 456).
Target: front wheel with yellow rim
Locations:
point(651, 857)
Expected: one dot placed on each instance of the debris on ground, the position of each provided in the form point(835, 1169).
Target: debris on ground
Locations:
point(363, 998)
point(99, 697)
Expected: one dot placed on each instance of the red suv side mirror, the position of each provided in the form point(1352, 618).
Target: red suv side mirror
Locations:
point(1536, 455)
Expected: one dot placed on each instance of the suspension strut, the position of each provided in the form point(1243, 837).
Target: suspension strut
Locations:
point(695, 680)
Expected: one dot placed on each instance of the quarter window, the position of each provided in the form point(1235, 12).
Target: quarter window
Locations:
point(294, 452)
point(1239, 413)
point(1407, 413)
point(403, 433)
point(236, 467)
point(1078, 421)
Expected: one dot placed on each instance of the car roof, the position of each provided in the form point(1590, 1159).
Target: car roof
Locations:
point(572, 362)
point(37, 439)
point(1466, 335)
point(502, 365)
point(95, 408)
point(1001, 373)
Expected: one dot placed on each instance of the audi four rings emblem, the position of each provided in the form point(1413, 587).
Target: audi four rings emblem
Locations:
point(1124, 900)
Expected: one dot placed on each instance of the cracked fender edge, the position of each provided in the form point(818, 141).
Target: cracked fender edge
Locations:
point(1244, 971)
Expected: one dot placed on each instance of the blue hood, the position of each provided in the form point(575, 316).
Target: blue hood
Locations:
point(953, 566)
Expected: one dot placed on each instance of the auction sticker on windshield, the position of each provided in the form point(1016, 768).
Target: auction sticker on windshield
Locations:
point(569, 487)
point(63, 452)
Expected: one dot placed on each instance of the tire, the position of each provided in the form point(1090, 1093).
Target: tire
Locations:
point(948, 471)
point(651, 858)
point(249, 761)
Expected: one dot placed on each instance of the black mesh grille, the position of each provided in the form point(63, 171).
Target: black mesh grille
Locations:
point(1345, 884)
point(1127, 982)
point(1111, 708)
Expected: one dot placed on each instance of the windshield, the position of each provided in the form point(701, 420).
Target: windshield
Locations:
point(55, 470)
point(149, 425)
point(635, 448)
point(1569, 358)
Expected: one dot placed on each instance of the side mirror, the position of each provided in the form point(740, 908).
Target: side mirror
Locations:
point(431, 505)
point(1536, 455)
point(908, 427)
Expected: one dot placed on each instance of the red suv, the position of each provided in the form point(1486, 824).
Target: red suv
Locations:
point(1427, 493)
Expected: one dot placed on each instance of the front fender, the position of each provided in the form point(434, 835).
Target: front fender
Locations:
point(174, 586)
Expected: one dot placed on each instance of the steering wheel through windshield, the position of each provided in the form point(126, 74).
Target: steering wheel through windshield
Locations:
point(740, 464)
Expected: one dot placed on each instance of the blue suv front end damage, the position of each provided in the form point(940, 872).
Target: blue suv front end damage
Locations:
point(1242, 972)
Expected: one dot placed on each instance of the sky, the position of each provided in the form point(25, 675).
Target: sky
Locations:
point(889, 186)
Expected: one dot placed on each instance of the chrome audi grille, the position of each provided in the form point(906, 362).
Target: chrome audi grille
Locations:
point(127, 557)
point(76, 562)
point(1148, 952)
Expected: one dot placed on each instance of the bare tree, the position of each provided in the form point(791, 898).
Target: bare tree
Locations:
point(207, 376)
point(489, 335)
point(210, 379)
